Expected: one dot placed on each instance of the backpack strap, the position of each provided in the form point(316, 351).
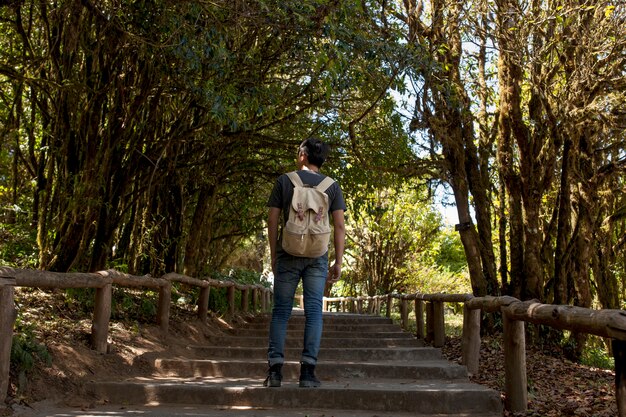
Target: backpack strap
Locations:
point(295, 179)
point(325, 184)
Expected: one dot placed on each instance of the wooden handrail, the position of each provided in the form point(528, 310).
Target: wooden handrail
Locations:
point(604, 323)
point(103, 281)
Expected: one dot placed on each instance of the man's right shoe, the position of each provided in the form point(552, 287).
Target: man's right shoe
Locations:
point(307, 376)
point(274, 376)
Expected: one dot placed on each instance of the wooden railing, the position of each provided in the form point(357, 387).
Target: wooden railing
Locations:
point(103, 281)
point(515, 313)
point(429, 313)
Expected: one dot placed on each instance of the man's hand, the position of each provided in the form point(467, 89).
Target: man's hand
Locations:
point(334, 273)
point(274, 266)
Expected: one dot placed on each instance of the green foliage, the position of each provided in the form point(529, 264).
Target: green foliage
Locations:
point(218, 297)
point(140, 305)
point(18, 245)
point(429, 279)
point(595, 354)
point(397, 242)
point(218, 300)
point(239, 275)
point(80, 300)
point(26, 351)
point(447, 251)
point(443, 267)
point(126, 303)
point(453, 320)
point(597, 358)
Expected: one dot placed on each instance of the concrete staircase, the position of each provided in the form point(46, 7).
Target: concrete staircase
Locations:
point(368, 367)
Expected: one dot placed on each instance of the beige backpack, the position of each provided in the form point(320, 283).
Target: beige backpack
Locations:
point(307, 232)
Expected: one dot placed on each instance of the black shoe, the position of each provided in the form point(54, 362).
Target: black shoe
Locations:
point(274, 376)
point(307, 376)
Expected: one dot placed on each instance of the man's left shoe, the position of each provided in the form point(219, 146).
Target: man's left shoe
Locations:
point(307, 376)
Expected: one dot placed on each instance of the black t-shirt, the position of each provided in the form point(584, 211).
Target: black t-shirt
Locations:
point(283, 192)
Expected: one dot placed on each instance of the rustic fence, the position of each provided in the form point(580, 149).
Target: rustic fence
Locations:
point(254, 296)
point(429, 314)
point(515, 313)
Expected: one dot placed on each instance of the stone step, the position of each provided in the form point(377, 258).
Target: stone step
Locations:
point(329, 326)
point(325, 371)
point(367, 365)
point(326, 334)
point(337, 318)
point(291, 341)
point(431, 397)
point(364, 354)
point(207, 410)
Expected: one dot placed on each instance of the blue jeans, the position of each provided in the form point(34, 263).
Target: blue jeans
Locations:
point(289, 270)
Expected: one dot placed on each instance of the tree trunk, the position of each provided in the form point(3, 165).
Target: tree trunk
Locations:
point(502, 226)
point(564, 229)
point(200, 231)
point(451, 124)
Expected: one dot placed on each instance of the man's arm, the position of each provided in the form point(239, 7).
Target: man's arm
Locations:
point(334, 273)
point(272, 233)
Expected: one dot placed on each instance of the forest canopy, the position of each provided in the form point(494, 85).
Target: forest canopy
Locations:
point(146, 136)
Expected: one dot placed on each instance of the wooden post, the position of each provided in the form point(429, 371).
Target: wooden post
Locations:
point(255, 295)
point(163, 313)
point(404, 314)
point(389, 305)
point(359, 305)
point(419, 319)
point(101, 317)
point(245, 299)
point(8, 314)
point(203, 303)
point(430, 326)
point(325, 304)
point(515, 382)
point(471, 339)
point(619, 353)
point(230, 294)
point(264, 300)
point(439, 336)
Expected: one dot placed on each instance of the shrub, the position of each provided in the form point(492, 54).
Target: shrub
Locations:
point(25, 352)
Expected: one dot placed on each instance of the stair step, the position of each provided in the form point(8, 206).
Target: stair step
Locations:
point(430, 397)
point(326, 334)
point(292, 341)
point(328, 326)
point(206, 410)
point(353, 354)
point(423, 370)
point(335, 318)
point(368, 366)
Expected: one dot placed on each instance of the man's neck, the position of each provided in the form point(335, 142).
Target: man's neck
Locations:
point(309, 167)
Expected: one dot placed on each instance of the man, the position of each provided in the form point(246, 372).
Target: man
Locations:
point(288, 269)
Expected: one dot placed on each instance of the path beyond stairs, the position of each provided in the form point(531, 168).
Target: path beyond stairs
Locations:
point(368, 367)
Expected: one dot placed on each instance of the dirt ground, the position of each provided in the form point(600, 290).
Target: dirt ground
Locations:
point(73, 362)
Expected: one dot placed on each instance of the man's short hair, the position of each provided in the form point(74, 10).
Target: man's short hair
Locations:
point(315, 150)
